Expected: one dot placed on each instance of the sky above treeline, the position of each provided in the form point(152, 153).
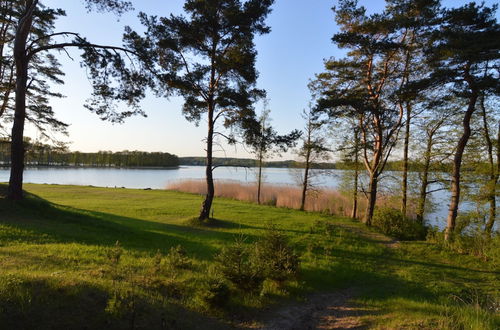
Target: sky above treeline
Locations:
point(288, 58)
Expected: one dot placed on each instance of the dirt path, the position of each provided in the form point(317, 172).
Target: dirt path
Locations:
point(320, 311)
point(327, 310)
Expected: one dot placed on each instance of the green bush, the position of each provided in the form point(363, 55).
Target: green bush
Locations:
point(275, 257)
point(177, 258)
point(237, 264)
point(248, 266)
point(216, 293)
point(393, 223)
point(469, 240)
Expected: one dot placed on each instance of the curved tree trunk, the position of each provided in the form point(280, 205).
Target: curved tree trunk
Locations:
point(206, 206)
point(15, 190)
point(372, 199)
point(457, 164)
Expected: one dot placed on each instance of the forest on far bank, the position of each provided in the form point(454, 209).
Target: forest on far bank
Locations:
point(42, 154)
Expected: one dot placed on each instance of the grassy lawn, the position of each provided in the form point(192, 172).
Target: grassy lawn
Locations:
point(57, 267)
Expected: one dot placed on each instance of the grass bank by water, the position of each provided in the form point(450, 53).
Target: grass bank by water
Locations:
point(58, 265)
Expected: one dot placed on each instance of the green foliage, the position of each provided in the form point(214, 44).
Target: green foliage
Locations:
point(238, 264)
point(469, 238)
point(207, 56)
point(470, 309)
point(42, 154)
point(393, 223)
point(122, 304)
point(215, 293)
point(177, 258)
point(270, 258)
point(275, 257)
point(114, 254)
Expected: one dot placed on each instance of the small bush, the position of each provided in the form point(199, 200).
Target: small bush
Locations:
point(247, 267)
point(114, 254)
point(393, 223)
point(275, 257)
point(471, 309)
point(237, 265)
point(177, 258)
point(216, 293)
point(473, 242)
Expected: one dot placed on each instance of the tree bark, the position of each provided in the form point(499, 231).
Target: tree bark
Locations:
point(259, 178)
point(457, 164)
point(425, 179)
point(305, 182)
point(494, 170)
point(15, 190)
point(372, 199)
point(404, 183)
point(354, 213)
point(206, 206)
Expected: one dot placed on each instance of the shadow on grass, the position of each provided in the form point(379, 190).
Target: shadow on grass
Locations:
point(35, 303)
point(50, 223)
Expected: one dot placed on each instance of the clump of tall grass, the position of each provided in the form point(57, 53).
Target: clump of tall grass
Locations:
point(324, 200)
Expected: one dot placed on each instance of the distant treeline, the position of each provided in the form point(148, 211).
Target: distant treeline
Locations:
point(238, 162)
point(40, 154)
point(248, 162)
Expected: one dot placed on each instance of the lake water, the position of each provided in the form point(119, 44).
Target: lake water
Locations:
point(160, 178)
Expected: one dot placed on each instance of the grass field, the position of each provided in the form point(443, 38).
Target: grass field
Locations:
point(58, 265)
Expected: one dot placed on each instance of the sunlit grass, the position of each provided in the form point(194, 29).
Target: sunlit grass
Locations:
point(54, 260)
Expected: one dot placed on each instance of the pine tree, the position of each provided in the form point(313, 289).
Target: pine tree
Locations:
point(363, 86)
point(33, 39)
point(464, 55)
point(208, 58)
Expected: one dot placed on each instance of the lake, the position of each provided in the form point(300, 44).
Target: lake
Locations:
point(160, 178)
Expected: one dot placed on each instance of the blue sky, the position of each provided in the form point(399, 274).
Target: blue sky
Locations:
point(288, 58)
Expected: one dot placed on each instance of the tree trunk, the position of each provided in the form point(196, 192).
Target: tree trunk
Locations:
point(354, 213)
point(15, 190)
point(372, 199)
point(425, 180)
point(206, 206)
point(404, 183)
point(494, 170)
point(259, 178)
point(457, 164)
point(305, 184)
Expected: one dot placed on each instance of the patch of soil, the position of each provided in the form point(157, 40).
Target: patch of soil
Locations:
point(319, 311)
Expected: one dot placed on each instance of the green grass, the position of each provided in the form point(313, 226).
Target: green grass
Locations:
point(56, 270)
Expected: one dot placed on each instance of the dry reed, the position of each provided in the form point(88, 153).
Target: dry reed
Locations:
point(324, 200)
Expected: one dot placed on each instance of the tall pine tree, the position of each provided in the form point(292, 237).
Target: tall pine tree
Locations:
point(208, 58)
point(33, 39)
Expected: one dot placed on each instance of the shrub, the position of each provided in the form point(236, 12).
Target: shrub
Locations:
point(114, 254)
point(177, 258)
point(471, 240)
point(275, 257)
point(237, 265)
point(393, 223)
point(216, 293)
point(247, 267)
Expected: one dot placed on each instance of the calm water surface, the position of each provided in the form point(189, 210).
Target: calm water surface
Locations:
point(160, 178)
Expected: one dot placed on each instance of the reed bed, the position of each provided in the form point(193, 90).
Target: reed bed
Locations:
point(323, 200)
